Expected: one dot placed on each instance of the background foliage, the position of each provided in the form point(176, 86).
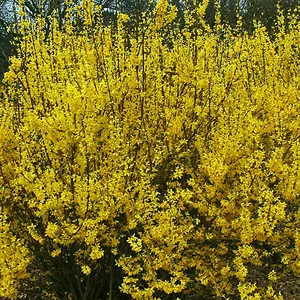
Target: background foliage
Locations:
point(152, 157)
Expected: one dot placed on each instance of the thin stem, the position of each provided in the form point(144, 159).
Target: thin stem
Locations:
point(111, 277)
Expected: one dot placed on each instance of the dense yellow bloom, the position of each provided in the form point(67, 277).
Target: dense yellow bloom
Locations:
point(14, 258)
point(175, 159)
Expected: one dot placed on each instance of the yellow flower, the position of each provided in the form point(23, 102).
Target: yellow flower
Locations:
point(135, 243)
point(272, 276)
point(96, 253)
point(56, 252)
point(86, 269)
point(52, 230)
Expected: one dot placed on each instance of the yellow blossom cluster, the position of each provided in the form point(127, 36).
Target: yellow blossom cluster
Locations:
point(177, 157)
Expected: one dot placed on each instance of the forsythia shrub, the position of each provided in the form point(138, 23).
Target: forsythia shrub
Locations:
point(163, 161)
